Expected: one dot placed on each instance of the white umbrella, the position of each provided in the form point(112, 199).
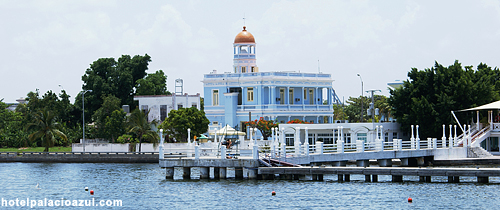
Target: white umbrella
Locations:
point(227, 131)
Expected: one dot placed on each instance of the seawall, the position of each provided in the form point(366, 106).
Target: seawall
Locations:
point(80, 157)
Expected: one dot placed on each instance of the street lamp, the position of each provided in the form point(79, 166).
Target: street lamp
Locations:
point(361, 118)
point(83, 114)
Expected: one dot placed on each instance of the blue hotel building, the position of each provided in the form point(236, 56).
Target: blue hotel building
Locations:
point(246, 93)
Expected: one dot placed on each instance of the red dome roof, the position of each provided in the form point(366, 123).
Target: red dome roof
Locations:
point(244, 37)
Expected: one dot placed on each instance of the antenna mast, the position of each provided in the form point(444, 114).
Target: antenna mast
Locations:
point(318, 67)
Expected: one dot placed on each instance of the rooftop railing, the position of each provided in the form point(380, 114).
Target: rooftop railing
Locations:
point(263, 74)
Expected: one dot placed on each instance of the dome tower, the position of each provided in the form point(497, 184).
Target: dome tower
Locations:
point(244, 53)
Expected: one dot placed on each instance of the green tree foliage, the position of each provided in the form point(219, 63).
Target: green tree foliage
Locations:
point(12, 132)
point(153, 84)
point(114, 125)
point(60, 106)
point(109, 119)
point(179, 121)
point(45, 128)
point(353, 109)
point(106, 76)
point(428, 96)
point(139, 125)
point(338, 112)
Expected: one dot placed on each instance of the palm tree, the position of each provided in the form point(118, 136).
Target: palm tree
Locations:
point(45, 127)
point(138, 123)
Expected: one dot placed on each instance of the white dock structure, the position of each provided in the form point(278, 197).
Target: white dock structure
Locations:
point(214, 161)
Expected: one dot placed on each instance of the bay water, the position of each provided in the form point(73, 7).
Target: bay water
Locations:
point(143, 186)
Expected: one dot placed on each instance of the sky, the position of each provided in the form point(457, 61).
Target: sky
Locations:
point(48, 45)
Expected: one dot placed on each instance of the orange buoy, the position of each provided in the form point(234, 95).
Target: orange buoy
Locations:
point(273, 193)
point(410, 200)
point(91, 192)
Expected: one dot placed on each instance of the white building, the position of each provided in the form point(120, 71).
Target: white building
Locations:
point(160, 105)
point(330, 133)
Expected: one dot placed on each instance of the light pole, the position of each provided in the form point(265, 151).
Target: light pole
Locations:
point(83, 114)
point(361, 118)
point(371, 110)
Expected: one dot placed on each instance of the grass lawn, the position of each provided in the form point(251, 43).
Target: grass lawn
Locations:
point(36, 149)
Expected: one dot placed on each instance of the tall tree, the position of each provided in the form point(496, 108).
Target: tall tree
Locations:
point(353, 108)
point(139, 125)
point(12, 132)
point(179, 121)
point(45, 127)
point(153, 84)
point(109, 118)
point(428, 96)
point(114, 125)
point(108, 76)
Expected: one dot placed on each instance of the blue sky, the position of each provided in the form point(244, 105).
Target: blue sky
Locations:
point(44, 44)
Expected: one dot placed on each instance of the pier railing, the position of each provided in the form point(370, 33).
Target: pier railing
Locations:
point(276, 150)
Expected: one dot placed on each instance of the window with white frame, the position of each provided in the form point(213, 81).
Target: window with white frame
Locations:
point(362, 136)
point(250, 94)
point(289, 139)
point(215, 98)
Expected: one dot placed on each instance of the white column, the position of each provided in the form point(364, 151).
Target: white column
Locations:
point(451, 137)
point(306, 148)
point(380, 145)
point(316, 96)
point(255, 152)
point(255, 137)
point(307, 135)
point(469, 138)
point(250, 129)
point(412, 139)
point(382, 133)
point(162, 156)
point(417, 140)
point(443, 140)
point(215, 135)
point(287, 95)
point(272, 135)
point(340, 146)
point(455, 136)
point(342, 134)
point(319, 147)
point(297, 141)
point(360, 146)
point(302, 99)
point(189, 135)
point(477, 125)
point(282, 137)
point(464, 138)
point(269, 94)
